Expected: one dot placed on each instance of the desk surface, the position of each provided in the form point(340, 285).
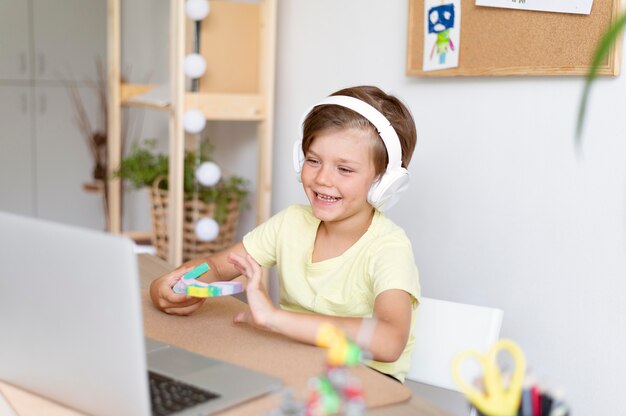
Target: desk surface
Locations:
point(211, 331)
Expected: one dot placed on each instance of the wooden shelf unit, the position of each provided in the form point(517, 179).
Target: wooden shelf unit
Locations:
point(238, 85)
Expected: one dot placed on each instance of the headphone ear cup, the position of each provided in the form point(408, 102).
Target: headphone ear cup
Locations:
point(298, 159)
point(384, 193)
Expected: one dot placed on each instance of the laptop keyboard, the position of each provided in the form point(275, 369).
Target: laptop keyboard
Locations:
point(169, 396)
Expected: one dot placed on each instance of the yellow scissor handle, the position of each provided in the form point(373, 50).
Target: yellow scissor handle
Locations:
point(497, 399)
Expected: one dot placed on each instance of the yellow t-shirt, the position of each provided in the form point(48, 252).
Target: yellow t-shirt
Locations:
point(346, 285)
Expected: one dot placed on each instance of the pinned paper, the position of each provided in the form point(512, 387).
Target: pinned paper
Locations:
point(556, 6)
point(442, 34)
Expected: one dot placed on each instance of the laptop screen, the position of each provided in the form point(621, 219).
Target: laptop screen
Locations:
point(70, 316)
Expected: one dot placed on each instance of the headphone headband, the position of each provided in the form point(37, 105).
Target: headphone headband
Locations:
point(384, 128)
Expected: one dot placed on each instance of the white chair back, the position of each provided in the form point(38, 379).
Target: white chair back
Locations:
point(443, 329)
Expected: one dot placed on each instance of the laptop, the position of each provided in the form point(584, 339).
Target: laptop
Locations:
point(71, 329)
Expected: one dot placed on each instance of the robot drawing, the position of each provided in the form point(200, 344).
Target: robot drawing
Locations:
point(440, 21)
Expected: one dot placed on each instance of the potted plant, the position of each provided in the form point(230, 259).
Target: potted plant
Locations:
point(221, 202)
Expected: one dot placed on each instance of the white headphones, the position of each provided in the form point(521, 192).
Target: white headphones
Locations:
point(384, 192)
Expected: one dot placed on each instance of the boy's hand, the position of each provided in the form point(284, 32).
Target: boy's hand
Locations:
point(165, 299)
point(261, 310)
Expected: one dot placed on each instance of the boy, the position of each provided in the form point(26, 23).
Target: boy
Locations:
point(339, 260)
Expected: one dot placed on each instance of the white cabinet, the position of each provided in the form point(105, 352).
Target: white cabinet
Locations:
point(17, 176)
point(15, 40)
point(69, 36)
point(47, 40)
point(44, 159)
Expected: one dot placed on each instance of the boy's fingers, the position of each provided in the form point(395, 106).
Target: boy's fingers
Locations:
point(255, 272)
point(175, 276)
point(240, 269)
point(234, 258)
point(173, 297)
point(185, 310)
point(245, 269)
point(178, 299)
point(256, 269)
point(237, 261)
point(241, 317)
point(238, 318)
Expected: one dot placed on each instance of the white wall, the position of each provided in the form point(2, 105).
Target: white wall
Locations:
point(502, 211)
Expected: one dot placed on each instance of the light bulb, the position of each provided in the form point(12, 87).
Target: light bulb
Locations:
point(207, 229)
point(208, 173)
point(197, 9)
point(193, 121)
point(194, 65)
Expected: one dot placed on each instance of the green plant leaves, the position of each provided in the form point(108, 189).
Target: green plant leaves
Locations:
point(142, 166)
point(602, 50)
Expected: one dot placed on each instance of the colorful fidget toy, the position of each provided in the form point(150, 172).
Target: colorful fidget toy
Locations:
point(189, 278)
point(206, 290)
point(197, 272)
point(336, 391)
point(192, 287)
point(341, 350)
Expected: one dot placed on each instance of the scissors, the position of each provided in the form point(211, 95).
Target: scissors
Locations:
point(499, 398)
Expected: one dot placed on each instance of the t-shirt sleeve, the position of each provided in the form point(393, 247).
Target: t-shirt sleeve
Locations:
point(393, 267)
point(261, 242)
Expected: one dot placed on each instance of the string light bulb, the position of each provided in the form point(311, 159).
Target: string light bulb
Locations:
point(208, 173)
point(207, 229)
point(197, 9)
point(194, 121)
point(194, 65)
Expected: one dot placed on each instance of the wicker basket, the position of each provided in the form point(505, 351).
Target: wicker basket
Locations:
point(193, 210)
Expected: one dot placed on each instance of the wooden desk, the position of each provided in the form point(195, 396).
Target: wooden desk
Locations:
point(211, 331)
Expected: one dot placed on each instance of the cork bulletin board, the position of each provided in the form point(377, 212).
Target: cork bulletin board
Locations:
point(497, 41)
